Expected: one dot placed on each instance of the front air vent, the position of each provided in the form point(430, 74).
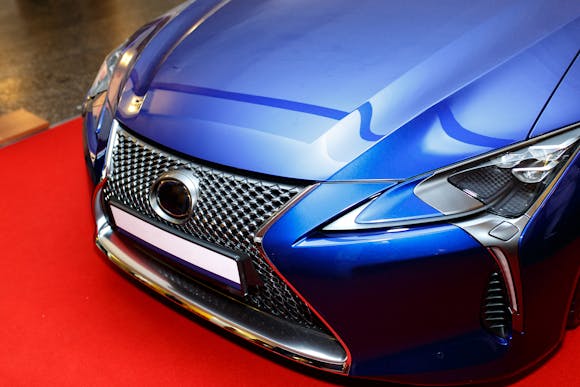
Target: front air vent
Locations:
point(495, 313)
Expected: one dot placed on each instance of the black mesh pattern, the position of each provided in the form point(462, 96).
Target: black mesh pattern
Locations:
point(230, 210)
point(518, 201)
point(495, 313)
point(486, 183)
point(498, 188)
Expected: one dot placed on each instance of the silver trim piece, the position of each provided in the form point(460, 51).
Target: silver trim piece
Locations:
point(348, 221)
point(504, 265)
point(189, 181)
point(504, 231)
point(115, 127)
point(505, 254)
point(444, 197)
point(297, 343)
point(274, 218)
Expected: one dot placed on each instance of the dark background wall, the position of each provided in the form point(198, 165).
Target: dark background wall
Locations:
point(50, 50)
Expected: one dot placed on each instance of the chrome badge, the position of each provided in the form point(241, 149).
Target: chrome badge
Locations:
point(174, 195)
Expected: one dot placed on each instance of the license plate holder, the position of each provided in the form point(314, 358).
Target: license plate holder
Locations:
point(225, 268)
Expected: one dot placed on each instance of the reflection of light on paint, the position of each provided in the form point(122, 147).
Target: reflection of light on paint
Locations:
point(343, 141)
point(126, 58)
point(134, 106)
point(400, 229)
point(437, 142)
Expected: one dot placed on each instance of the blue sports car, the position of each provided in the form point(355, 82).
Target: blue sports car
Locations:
point(379, 189)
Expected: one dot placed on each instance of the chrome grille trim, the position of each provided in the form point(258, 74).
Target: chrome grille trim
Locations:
point(231, 210)
point(307, 346)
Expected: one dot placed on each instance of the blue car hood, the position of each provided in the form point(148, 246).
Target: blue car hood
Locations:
point(341, 90)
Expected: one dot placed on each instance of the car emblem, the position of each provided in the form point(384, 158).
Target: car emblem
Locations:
point(174, 195)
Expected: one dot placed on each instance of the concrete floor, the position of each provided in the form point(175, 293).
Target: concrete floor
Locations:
point(50, 50)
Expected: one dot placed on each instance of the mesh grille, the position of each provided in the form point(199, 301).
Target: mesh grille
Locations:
point(498, 188)
point(486, 182)
point(518, 201)
point(230, 210)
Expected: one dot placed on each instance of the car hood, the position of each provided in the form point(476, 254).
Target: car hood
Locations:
point(341, 90)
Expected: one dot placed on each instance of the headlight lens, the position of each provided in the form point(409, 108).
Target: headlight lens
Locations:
point(103, 96)
point(105, 74)
point(506, 183)
point(509, 184)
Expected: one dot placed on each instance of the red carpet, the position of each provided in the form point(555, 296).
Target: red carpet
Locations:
point(67, 318)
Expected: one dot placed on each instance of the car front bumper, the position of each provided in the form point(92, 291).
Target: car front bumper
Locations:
point(397, 319)
point(404, 305)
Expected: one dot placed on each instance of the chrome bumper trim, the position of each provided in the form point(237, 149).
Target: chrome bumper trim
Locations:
point(297, 343)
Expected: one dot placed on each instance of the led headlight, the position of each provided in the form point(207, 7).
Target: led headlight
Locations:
point(97, 100)
point(506, 183)
point(509, 184)
point(105, 74)
point(103, 96)
point(102, 99)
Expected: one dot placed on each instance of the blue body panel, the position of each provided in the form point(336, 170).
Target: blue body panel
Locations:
point(397, 282)
point(550, 254)
point(564, 107)
point(419, 289)
point(398, 204)
point(360, 87)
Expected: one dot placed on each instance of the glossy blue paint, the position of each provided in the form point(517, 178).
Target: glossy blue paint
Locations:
point(183, 23)
point(99, 111)
point(398, 204)
point(228, 125)
point(564, 107)
point(556, 223)
point(396, 283)
point(550, 259)
point(492, 112)
point(307, 66)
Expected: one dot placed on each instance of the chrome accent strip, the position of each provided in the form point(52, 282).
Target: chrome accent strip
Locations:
point(445, 197)
point(348, 221)
point(504, 266)
point(505, 253)
point(297, 343)
point(274, 218)
point(185, 177)
point(115, 127)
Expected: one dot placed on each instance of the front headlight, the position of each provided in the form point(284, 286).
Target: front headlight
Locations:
point(509, 184)
point(506, 183)
point(105, 74)
point(103, 96)
point(98, 102)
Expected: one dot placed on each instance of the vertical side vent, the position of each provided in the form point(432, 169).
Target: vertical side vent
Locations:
point(495, 313)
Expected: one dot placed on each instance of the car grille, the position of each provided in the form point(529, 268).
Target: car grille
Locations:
point(496, 317)
point(230, 210)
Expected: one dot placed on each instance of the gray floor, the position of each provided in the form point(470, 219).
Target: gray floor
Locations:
point(50, 50)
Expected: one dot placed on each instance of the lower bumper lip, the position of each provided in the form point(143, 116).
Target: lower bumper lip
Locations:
point(297, 343)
